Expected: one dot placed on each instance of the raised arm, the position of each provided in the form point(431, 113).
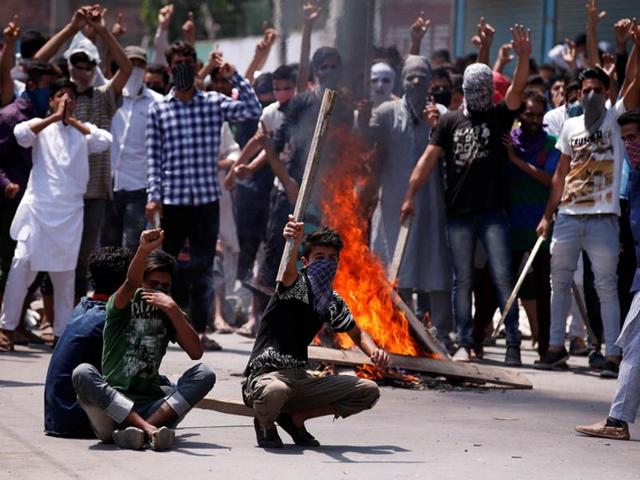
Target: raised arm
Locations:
point(117, 53)
point(292, 231)
point(485, 35)
point(10, 34)
point(522, 47)
point(26, 132)
point(311, 10)
point(149, 241)
point(189, 30)
point(419, 176)
point(247, 106)
point(504, 57)
point(263, 48)
point(161, 38)
point(153, 145)
point(631, 96)
point(55, 43)
point(593, 18)
point(418, 31)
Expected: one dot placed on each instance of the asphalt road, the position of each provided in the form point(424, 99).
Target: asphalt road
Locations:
point(451, 433)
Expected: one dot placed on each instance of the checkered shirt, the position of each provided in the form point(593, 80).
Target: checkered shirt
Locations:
point(183, 142)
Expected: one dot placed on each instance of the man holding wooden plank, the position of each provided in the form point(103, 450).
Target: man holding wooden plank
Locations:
point(277, 386)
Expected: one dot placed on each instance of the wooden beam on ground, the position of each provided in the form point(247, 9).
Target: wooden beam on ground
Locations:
point(232, 407)
point(310, 171)
point(468, 372)
point(420, 332)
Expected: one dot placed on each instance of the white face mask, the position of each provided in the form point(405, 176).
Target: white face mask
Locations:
point(134, 82)
point(382, 78)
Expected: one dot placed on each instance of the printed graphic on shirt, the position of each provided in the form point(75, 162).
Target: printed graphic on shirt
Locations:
point(591, 175)
point(145, 341)
point(471, 144)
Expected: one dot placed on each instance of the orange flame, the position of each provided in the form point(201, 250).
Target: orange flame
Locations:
point(361, 277)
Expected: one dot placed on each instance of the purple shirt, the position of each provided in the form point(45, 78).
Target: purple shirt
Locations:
point(15, 161)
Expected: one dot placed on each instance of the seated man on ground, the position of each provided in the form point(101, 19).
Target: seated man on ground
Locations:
point(126, 403)
point(81, 342)
point(277, 386)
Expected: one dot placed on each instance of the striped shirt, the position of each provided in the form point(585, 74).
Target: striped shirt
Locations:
point(183, 141)
point(98, 105)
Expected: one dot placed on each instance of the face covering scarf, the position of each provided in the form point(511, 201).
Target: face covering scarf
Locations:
point(184, 76)
point(321, 274)
point(477, 85)
point(594, 110)
point(633, 152)
point(134, 82)
point(382, 79)
point(415, 92)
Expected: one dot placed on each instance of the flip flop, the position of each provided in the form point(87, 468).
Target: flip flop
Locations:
point(223, 328)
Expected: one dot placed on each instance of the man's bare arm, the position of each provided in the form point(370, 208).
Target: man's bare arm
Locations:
point(419, 176)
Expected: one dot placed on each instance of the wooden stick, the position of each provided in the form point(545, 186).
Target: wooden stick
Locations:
point(310, 170)
point(516, 289)
point(398, 254)
point(232, 407)
point(420, 332)
point(468, 372)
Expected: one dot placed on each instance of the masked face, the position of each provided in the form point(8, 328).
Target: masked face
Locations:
point(416, 89)
point(321, 273)
point(441, 94)
point(184, 76)
point(593, 104)
point(631, 135)
point(134, 82)
point(39, 98)
point(477, 85)
point(83, 75)
point(382, 79)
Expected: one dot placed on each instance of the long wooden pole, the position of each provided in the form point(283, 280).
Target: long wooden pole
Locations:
point(516, 289)
point(398, 254)
point(310, 171)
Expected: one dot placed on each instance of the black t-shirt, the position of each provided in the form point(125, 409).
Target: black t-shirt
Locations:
point(289, 324)
point(476, 160)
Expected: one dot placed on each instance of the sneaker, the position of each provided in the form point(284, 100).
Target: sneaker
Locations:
point(300, 435)
point(512, 357)
point(596, 360)
point(131, 438)
point(610, 369)
point(267, 437)
point(462, 355)
point(602, 430)
point(551, 360)
point(578, 347)
point(162, 439)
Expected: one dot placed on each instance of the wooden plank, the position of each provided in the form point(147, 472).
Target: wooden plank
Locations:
point(310, 171)
point(398, 254)
point(469, 372)
point(420, 332)
point(232, 407)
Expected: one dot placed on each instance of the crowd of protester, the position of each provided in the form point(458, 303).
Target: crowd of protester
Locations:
point(106, 158)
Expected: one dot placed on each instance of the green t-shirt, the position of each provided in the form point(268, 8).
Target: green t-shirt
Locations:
point(134, 341)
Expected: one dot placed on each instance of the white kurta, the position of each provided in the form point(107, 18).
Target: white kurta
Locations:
point(48, 222)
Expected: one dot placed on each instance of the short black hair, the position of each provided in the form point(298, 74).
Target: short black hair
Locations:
point(285, 72)
point(61, 83)
point(36, 70)
point(30, 42)
point(326, 237)
point(632, 116)
point(160, 261)
point(263, 84)
point(180, 48)
point(441, 73)
point(322, 54)
point(536, 79)
point(442, 53)
point(535, 96)
point(159, 69)
point(594, 73)
point(108, 269)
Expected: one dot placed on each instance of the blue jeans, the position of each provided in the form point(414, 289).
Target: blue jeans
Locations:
point(491, 227)
point(124, 219)
point(598, 236)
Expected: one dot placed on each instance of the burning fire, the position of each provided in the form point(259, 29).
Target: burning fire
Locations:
point(361, 278)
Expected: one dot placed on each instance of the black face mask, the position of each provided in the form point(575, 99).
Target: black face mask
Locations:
point(184, 76)
point(441, 95)
point(156, 88)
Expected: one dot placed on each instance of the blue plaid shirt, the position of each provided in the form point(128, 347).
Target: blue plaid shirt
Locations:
point(183, 142)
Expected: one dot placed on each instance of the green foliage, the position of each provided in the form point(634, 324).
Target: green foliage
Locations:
point(233, 17)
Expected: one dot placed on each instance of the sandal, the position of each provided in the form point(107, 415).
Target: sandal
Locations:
point(222, 327)
point(210, 344)
point(247, 330)
point(6, 344)
point(46, 332)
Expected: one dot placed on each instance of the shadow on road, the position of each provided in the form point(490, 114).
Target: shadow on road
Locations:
point(12, 383)
point(338, 452)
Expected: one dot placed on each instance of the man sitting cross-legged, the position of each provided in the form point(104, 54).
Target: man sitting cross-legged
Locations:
point(127, 403)
point(277, 386)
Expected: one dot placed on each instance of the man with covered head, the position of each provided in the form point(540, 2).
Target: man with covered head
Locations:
point(97, 105)
point(383, 76)
point(401, 130)
point(476, 166)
